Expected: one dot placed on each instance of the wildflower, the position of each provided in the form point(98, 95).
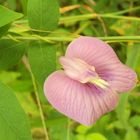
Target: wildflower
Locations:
point(91, 81)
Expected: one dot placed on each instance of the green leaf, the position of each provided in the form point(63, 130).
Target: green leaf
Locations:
point(95, 136)
point(81, 129)
point(12, 4)
point(111, 134)
point(42, 58)
point(9, 76)
point(28, 103)
point(8, 16)
point(14, 124)
point(122, 112)
point(126, 27)
point(4, 29)
point(80, 137)
point(43, 14)
point(10, 53)
point(24, 6)
point(135, 104)
point(131, 135)
point(133, 57)
point(135, 121)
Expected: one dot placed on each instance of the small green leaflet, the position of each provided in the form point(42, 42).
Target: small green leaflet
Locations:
point(4, 29)
point(10, 53)
point(42, 58)
point(43, 14)
point(8, 16)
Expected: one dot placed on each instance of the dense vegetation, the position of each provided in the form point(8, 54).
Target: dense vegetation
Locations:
point(33, 35)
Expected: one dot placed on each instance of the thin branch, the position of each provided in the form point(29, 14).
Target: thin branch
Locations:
point(68, 39)
point(27, 65)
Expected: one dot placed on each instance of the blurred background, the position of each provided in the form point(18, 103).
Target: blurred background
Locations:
point(120, 124)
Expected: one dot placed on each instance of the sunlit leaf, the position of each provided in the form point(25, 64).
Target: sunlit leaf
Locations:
point(80, 137)
point(7, 77)
point(135, 121)
point(8, 16)
point(131, 134)
point(82, 129)
point(95, 136)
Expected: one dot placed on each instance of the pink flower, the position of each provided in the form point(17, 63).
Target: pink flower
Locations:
point(88, 86)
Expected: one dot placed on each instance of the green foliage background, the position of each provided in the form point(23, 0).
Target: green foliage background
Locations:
point(33, 35)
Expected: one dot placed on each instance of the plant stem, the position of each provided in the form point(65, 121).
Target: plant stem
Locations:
point(121, 38)
point(126, 11)
point(25, 61)
point(77, 18)
point(68, 39)
point(120, 17)
point(40, 107)
point(64, 20)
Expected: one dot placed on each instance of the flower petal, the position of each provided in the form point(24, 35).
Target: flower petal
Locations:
point(121, 79)
point(93, 51)
point(99, 54)
point(81, 102)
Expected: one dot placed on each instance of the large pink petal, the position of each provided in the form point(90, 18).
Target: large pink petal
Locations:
point(81, 102)
point(99, 54)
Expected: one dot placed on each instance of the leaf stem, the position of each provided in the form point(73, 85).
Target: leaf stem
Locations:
point(126, 10)
point(120, 17)
point(25, 61)
point(76, 18)
point(40, 107)
point(115, 15)
point(54, 39)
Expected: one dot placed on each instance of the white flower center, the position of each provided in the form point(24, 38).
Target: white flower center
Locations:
point(79, 70)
